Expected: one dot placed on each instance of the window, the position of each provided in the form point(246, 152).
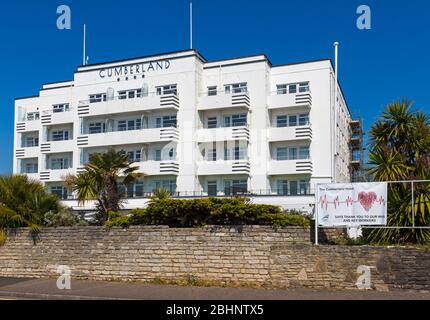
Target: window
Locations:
point(32, 116)
point(169, 185)
point(282, 187)
point(31, 142)
point(59, 191)
point(122, 95)
point(212, 188)
point(292, 88)
point(166, 121)
point(293, 188)
point(157, 155)
point(212, 91)
point(304, 87)
point(59, 163)
point(95, 98)
point(171, 153)
point(281, 154)
point(304, 153)
point(212, 122)
point(134, 156)
point(168, 89)
point(303, 119)
point(281, 89)
point(122, 125)
point(281, 121)
point(234, 187)
point(31, 167)
point(212, 154)
point(305, 187)
point(97, 127)
point(60, 135)
point(236, 88)
point(292, 121)
point(227, 121)
point(235, 120)
point(292, 153)
point(138, 189)
point(61, 108)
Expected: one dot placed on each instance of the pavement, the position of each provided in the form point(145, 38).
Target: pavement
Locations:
point(46, 289)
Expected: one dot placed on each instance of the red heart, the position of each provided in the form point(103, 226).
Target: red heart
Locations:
point(367, 199)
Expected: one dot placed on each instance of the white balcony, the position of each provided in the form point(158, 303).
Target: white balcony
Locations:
point(223, 134)
point(32, 176)
point(54, 175)
point(223, 101)
point(149, 103)
point(28, 126)
point(51, 118)
point(30, 152)
point(158, 168)
point(214, 168)
point(276, 101)
point(57, 146)
point(288, 167)
point(290, 133)
point(128, 137)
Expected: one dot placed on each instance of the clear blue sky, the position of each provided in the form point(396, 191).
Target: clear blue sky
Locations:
point(377, 66)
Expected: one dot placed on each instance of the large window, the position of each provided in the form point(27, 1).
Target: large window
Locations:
point(99, 97)
point(235, 187)
point(60, 135)
point(292, 88)
point(166, 121)
point(293, 120)
point(31, 167)
point(292, 153)
point(293, 187)
point(31, 142)
point(59, 191)
point(64, 107)
point(168, 89)
point(32, 116)
point(97, 127)
point(131, 94)
point(134, 156)
point(212, 122)
point(235, 120)
point(236, 88)
point(59, 163)
point(169, 185)
point(124, 125)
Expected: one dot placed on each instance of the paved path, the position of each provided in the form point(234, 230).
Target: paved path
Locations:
point(11, 288)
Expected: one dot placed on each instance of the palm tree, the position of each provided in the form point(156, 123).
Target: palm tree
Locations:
point(103, 180)
point(24, 202)
point(400, 151)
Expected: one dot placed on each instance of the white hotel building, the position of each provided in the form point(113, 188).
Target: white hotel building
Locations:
point(195, 127)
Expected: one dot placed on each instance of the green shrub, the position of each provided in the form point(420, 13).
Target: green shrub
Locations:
point(122, 222)
point(63, 218)
point(213, 211)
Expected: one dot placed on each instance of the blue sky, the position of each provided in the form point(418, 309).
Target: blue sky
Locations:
point(377, 66)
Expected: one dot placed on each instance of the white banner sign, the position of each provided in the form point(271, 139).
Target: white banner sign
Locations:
point(352, 204)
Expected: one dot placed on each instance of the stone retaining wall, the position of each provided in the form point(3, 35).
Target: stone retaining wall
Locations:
point(252, 255)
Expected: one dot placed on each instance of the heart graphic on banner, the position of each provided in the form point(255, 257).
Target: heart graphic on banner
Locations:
point(367, 199)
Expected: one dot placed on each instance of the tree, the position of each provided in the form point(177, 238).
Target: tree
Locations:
point(104, 178)
point(24, 202)
point(400, 151)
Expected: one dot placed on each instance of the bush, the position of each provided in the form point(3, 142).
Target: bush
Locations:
point(64, 218)
point(210, 211)
point(123, 222)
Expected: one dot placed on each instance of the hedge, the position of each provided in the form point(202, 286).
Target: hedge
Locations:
point(209, 211)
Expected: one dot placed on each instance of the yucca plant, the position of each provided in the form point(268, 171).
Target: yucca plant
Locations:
point(400, 151)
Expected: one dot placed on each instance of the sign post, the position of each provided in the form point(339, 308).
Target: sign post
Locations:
point(316, 214)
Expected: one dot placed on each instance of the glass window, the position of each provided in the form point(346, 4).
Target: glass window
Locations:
point(59, 163)
point(236, 88)
point(138, 189)
point(282, 187)
point(122, 95)
point(293, 188)
point(304, 119)
point(292, 121)
point(60, 108)
point(292, 153)
point(157, 155)
point(281, 121)
point(97, 127)
point(305, 187)
point(292, 88)
point(158, 122)
point(122, 125)
point(100, 97)
point(31, 142)
point(212, 154)
point(281, 154)
point(59, 191)
point(138, 124)
point(60, 135)
point(212, 122)
point(212, 188)
point(304, 153)
point(130, 125)
point(281, 89)
point(304, 87)
point(238, 120)
point(227, 121)
point(31, 167)
point(31, 116)
point(168, 89)
point(212, 91)
point(169, 121)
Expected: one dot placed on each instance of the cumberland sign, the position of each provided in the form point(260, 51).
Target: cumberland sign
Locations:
point(134, 69)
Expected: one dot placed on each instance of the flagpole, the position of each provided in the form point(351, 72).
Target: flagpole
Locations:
point(84, 59)
point(191, 24)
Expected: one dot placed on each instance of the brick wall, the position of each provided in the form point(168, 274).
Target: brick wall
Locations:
point(252, 255)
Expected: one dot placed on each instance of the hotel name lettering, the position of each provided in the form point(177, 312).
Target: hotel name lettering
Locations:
point(134, 69)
